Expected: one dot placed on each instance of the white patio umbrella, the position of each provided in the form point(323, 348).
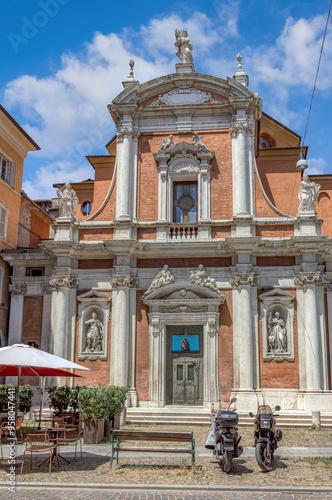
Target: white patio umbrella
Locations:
point(20, 360)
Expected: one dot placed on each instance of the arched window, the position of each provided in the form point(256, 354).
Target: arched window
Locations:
point(86, 208)
point(266, 142)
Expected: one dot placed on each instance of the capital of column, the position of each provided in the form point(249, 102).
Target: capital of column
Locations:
point(310, 278)
point(328, 285)
point(17, 288)
point(240, 279)
point(123, 280)
point(63, 281)
point(155, 323)
point(123, 133)
point(237, 128)
point(46, 288)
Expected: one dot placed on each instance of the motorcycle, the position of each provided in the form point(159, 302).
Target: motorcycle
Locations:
point(223, 438)
point(266, 436)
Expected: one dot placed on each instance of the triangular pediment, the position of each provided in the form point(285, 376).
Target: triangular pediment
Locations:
point(277, 293)
point(183, 293)
point(92, 294)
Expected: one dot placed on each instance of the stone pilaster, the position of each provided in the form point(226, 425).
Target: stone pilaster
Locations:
point(243, 338)
point(241, 169)
point(61, 314)
point(17, 292)
point(311, 328)
point(123, 183)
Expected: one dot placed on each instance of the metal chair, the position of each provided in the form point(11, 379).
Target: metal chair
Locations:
point(40, 443)
point(72, 435)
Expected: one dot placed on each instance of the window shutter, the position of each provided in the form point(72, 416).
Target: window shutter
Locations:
point(8, 165)
point(13, 169)
point(3, 217)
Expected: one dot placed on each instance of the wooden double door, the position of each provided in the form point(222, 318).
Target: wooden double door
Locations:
point(184, 381)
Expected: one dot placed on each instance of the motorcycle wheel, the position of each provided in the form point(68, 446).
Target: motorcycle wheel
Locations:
point(228, 461)
point(265, 462)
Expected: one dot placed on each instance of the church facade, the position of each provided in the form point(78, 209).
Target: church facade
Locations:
point(198, 265)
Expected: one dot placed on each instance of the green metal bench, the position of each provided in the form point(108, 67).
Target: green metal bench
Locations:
point(167, 437)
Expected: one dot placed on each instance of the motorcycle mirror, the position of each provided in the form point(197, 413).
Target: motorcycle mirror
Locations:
point(277, 408)
point(232, 401)
point(251, 414)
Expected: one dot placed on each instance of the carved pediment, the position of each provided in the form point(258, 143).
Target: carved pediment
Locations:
point(183, 293)
point(183, 95)
point(93, 295)
point(277, 295)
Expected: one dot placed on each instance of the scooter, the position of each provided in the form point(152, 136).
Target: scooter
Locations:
point(266, 436)
point(223, 438)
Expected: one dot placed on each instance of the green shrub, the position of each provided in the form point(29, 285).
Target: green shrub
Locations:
point(101, 402)
point(73, 402)
point(25, 398)
point(59, 398)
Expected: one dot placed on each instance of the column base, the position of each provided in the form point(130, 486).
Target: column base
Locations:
point(246, 399)
point(132, 398)
point(316, 400)
point(185, 68)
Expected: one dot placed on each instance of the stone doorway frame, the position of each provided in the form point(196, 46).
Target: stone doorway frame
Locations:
point(183, 304)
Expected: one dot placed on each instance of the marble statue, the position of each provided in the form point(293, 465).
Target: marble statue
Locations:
point(68, 200)
point(184, 46)
point(277, 333)
point(164, 277)
point(201, 277)
point(308, 195)
point(168, 142)
point(197, 141)
point(95, 334)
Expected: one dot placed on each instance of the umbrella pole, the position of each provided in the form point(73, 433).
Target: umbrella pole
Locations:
point(17, 398)
point(41, 402)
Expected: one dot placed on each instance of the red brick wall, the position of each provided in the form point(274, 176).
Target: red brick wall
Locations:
point(142, 349)
point(95, 263)
point(276, 260)
point(279, 375)
point(220, 231)
point(32, 327)
point(146, 233)
point(91, 234)
point(100, 369)
point(225, 346)
point(283, 231)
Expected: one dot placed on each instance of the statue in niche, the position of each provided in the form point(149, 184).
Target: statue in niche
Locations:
point(277, 333)
point(68, 200)
point(308, 195)
point(201, 277)
point(164, 277)
point(184, 46)
point(168, 142)
point(94, 335)
point(185, 345)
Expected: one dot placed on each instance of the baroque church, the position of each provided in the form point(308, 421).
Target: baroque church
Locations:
point(197, 265)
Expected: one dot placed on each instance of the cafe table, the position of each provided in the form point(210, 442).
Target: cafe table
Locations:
point(53, 434)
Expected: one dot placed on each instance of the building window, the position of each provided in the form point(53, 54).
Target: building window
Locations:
point(3, 222)
point(185, 202)
point(36, 271)
point(86, 208)
point(8, 171)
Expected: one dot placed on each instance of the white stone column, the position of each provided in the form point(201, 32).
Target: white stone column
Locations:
point(123, 181)
point(120, 334)
point(157, 381)
point(329, 312)
point(311, 325)
point(205, 193)
point(133, 212)
point(240, 161)
point(60, 321)
point(46, 338)
point(244, 345)
point(211, 383)
point(16, 313)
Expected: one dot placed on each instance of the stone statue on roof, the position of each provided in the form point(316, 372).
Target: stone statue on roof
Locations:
point(184, 46)
point(68, 200)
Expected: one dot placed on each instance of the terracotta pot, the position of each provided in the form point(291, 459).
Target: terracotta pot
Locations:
point(93, 431)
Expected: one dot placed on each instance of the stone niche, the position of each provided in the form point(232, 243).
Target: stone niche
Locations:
point(93, 316)
point(277, 316)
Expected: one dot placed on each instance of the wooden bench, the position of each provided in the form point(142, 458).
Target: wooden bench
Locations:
point(166, 437)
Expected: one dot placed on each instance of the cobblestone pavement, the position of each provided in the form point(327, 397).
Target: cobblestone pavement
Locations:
point(101, 494)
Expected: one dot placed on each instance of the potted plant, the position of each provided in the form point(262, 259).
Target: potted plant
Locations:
point(59, 398)
point(25, 398)
point(95, 405)
point(116, 404)
point(73, 401)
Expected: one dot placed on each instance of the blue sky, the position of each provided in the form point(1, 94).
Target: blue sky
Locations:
point(63, 61)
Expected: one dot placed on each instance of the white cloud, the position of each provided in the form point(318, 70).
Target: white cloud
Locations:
point(317, 166)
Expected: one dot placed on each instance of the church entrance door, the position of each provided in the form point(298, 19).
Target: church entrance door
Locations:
point(184, 381)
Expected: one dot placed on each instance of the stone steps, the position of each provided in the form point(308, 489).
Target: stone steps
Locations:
point(202, 416)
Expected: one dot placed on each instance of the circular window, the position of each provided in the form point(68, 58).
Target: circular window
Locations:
point(86, 208)
point(186, 202)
